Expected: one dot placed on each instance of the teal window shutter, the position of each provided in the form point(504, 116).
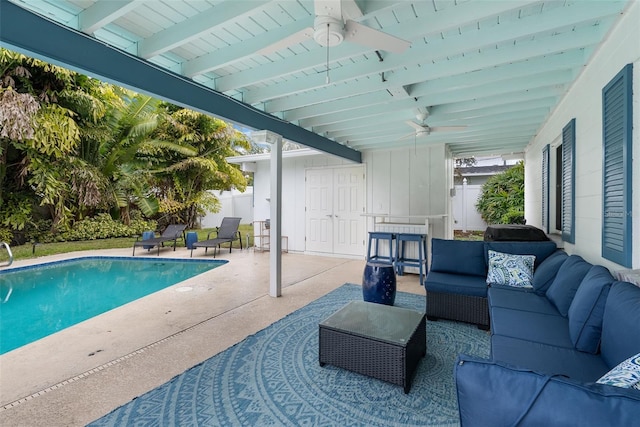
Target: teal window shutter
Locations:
point(545, 188)
point(616, 168)
point(568, 182)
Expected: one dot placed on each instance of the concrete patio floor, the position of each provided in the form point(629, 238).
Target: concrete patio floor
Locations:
point(83, 372)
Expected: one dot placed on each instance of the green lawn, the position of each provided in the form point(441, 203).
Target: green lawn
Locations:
point(28, 250)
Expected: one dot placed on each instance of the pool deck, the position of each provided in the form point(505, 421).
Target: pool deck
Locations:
point(82, 373)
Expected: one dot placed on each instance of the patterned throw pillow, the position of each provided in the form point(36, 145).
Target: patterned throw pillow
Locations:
point(625, 375)
point(510, 270)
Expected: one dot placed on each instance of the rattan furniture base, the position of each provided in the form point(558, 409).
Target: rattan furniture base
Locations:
point(462, 308)
point(358, 352)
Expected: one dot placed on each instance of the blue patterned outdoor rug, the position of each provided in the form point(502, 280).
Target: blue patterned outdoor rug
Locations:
point(273, 378)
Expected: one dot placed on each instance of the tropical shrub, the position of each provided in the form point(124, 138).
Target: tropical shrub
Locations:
point(502, 197)
point(102, 226)
point(5, 235)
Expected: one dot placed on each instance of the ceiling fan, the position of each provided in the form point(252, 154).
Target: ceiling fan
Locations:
point(422, 129)
point(334, 23)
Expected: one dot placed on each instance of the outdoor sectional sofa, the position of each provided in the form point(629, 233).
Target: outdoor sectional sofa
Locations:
point(551, 343)
point(457, 280)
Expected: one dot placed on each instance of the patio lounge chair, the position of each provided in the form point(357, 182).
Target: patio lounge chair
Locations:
point(227, 232)
point(172, 233)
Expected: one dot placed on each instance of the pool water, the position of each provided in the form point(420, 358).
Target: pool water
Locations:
point(37, 301)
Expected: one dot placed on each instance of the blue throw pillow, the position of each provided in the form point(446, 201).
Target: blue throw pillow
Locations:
point(458, 257)
point(545, 273)
point(510, 270)
point(587, 309)
point(625, 375)
point(565, 285)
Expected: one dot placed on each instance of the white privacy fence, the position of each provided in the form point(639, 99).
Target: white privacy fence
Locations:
point(465, 215)
point(234, 203)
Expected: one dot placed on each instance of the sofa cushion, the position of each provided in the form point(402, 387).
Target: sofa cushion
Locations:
point(565, 285)
point(625, 375)
point(548, 359)
point(621, 323)
point(510, 270)
point(587, 309)
point(456, 284)
point(458, 257)
point(492, 394)
point(544, 274)
point(541, 250)
point(517, 299)
point(530, 326)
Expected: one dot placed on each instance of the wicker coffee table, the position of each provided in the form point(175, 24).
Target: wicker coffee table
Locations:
point(376, 340)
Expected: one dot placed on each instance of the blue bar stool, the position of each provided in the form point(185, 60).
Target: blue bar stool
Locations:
point(377, 236)
point(402, 260)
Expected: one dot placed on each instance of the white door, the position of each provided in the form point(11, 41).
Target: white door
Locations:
point(335, 204)
point(319, 210)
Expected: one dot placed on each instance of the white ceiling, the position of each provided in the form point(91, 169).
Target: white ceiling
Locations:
point(496, 67)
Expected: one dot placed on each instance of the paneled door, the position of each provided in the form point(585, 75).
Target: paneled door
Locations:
point(334, 207)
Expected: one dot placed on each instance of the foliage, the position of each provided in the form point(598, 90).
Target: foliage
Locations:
point(192, 162)
point(102, 226)
point(5, 235)
point(76, 152)
point(465, 162)
point(502, 197)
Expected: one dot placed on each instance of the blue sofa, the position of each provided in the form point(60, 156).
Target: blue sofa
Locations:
point(549, 346)
point(456, 283)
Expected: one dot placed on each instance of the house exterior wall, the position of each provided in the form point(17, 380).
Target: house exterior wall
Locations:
point(584, 103)
point(399, 182)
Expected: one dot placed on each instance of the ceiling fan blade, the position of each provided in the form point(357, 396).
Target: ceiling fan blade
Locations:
point(367, 36)
point(332, 8)
point(447, 128)
point(416, 126)
point(293, 39)
point(409, 135)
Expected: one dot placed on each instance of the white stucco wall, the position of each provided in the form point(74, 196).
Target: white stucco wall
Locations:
point(404, 181)
point(584, 103)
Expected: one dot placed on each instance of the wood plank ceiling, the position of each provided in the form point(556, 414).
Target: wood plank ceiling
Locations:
point(491, 69)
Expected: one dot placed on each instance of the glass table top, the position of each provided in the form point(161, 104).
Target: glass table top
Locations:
point(391, 324)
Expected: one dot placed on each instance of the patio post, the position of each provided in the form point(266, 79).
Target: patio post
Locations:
point(275, 234)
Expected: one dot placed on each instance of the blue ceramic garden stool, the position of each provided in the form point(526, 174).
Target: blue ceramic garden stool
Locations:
point(379, 283)
point(192, 237)
point(146, 235)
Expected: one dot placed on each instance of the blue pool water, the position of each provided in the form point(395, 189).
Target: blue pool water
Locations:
point(37, 301)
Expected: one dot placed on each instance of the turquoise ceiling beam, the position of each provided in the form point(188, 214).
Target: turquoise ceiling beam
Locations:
point(32, 34)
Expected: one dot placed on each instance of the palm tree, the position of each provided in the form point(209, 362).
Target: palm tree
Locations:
point(184, 177)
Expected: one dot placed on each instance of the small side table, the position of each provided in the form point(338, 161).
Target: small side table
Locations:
point(380, 341)
point(146, 235)
point(192, 237)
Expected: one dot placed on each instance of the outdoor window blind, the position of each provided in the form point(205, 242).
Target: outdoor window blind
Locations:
point(568, 182)
point(616, 168)
point(545, 188)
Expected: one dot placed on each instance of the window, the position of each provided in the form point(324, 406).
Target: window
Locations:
point(568, 179)
point(616, 168)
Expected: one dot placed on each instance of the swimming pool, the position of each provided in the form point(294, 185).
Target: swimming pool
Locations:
point(36, 301)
